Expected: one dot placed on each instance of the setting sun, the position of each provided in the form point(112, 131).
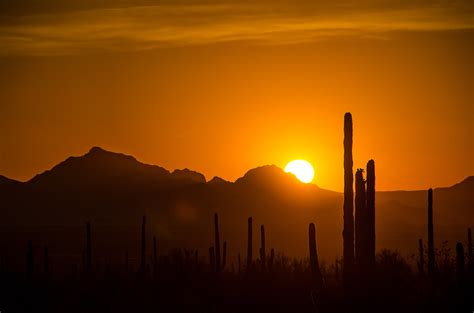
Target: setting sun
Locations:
point(302, 169)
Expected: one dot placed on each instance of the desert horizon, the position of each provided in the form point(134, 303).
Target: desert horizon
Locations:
point(207, 179)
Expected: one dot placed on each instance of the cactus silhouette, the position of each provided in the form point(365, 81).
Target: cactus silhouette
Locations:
point(361, 221)
point(29, 259)
point(370, 200)
point(459, 261)
point(421, 257)
point(313, 256)
point(217, 242)
point(249, 243)
point(88, 247)
point(469, 252)
point(224, 254)
point(143, 246)
point(262, 246)
point(348, 208)
point(431, 252)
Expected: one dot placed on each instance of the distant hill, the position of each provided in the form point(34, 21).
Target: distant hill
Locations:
point(114, 190)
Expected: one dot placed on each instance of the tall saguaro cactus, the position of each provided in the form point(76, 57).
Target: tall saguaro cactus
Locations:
point(361, 222)
point(88, 247)
point(217, 242)
point(313, 256)
point(348, 231)
point(262, 246)
point(431, 252)
point(370, 213)
point(249, 243)
point(143, 246)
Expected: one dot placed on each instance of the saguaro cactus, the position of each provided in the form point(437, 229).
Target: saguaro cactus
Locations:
point(348, 231)
point(361, 222)
point(88, 247)
point(249, 243)
point(262, 246)
point(217, 242)
point(313, 256)
point(143, 246)
point(29, 259)
point(431, 252)
point(459, 261)
point(421, 260)
point(370, 213)
point(224, 254)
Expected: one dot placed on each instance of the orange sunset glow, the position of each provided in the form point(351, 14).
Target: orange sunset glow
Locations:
point(230, 94)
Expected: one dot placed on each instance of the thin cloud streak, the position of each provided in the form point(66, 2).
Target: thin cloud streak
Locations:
point(150, 27)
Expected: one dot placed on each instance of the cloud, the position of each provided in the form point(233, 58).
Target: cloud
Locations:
point(120, 26)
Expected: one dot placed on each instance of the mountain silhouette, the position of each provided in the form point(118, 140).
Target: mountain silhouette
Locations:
point(113, 191)
point(7, 181)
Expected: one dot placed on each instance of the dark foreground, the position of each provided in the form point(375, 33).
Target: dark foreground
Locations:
point(181, 283)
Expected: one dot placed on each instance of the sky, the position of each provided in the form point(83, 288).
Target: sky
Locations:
point(224, 86)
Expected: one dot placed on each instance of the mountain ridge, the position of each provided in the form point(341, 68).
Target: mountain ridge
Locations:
point(257, 173)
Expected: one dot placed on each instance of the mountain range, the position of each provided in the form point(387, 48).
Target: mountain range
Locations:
point(114, 190)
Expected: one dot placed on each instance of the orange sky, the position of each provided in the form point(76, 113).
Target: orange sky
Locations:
point(221, 88)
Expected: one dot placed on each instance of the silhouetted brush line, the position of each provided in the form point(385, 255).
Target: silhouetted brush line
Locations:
point(348, 208)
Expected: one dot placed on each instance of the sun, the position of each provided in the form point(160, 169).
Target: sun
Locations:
point(302, 169)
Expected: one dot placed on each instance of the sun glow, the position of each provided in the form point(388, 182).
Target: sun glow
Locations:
point(302, 169)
